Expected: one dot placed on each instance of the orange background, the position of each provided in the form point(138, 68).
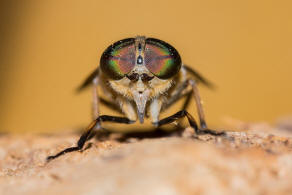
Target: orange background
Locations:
point(49, 47)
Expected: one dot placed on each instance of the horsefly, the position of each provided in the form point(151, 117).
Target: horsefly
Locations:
point(142, 77)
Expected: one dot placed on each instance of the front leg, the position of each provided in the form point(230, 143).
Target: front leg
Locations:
point(90, 132)
point(192, 122)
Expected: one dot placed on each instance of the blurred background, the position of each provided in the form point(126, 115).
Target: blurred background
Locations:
point(47, 48)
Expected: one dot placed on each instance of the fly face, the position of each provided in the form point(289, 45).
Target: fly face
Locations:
point(140, 69)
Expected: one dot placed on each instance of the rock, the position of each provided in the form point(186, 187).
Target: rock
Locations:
point(240, 163)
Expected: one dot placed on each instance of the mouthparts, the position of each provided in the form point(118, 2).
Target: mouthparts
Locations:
point(141, 117)
point(141, 100)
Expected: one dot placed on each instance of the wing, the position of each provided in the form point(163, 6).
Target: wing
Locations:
point(199, 77)
point(88, 81)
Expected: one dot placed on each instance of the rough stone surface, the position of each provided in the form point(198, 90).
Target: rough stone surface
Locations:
point(250, 162)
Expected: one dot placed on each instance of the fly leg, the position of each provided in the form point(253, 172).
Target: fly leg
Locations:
point(95, 100)
point(199, 104)
point(90, 132)
point(192, 122)
point(187, 100)
point(203, 124)
point(176, 96)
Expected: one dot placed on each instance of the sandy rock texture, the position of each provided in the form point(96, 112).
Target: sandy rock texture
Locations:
point(258, 161)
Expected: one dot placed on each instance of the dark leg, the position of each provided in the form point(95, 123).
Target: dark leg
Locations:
point(89, 133)
point(187, 100)
point(192, 122)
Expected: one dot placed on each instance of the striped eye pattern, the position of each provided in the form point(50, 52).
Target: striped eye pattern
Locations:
point(160, 58)
point(119, 59)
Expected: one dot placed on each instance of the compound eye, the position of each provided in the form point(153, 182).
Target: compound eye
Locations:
point(118, 59)
point(161, 59)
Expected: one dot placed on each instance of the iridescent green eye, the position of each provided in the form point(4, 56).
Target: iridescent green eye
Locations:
point(118, 59)
point(161, 59)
